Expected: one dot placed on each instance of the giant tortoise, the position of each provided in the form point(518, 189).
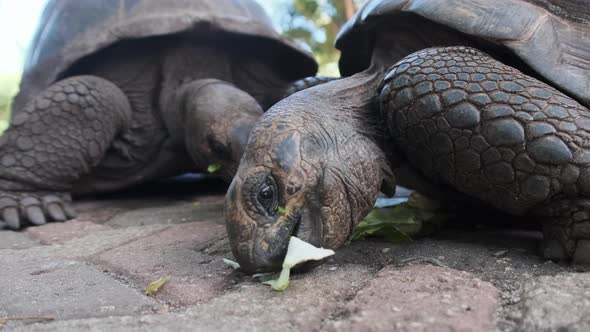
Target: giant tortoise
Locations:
point(120, 92)
point(485, 101)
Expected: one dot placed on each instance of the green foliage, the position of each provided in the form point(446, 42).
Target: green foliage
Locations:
point(8, 88)
point(316, 23)
point(213, 168)
point(420, 216)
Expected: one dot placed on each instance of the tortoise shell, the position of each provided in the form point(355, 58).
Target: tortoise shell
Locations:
point(70, 30)
point(550, 36)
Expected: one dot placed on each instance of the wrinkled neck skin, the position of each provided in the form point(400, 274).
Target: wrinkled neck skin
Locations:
point(340, 137)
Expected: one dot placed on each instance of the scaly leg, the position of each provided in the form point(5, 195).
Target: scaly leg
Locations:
point(57, 137)
point(485, 129)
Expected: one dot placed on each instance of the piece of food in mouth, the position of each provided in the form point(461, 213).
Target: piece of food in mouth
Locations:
point(298, 252)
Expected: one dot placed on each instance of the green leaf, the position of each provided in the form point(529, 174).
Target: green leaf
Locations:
point(213, 168)
point(298, 252)
point(401, 222)
point(282, 282)
point(282, 211)
point(155, 286)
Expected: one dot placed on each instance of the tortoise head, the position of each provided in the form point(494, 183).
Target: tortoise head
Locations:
point(306, 172)
point(218, 124)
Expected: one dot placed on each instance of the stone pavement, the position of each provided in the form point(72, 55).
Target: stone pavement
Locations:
point(91, 273)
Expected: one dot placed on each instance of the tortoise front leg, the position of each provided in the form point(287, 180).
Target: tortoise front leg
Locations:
point(57, 137)
point(216, 120)
point(472, 123)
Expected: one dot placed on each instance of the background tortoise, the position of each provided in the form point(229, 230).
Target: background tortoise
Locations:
point(509, 129)
point(120, 92)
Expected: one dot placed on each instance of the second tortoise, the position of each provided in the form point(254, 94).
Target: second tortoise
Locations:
point(121, 92)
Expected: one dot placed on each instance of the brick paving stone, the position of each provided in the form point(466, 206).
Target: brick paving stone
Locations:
point(123, 203)
point(89, 245)
point(209, 199)
point(63, 289)
point(62, 232)
point(175, 214)
point(102, 210)
point(421, 298)
point(559, 303)
point(99, 216)
point(309, 300)
point(15, 240)
point(178, 251)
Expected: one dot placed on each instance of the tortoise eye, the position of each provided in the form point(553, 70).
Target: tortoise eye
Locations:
point(265, 194)
point(267, 197)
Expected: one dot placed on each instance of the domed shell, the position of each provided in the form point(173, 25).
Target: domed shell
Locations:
point(550, 36)
point(69, 30)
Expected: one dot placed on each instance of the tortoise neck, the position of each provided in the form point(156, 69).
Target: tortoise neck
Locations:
point(344, 107)
point(351, 99)
point(355, 100)
point(358, 92)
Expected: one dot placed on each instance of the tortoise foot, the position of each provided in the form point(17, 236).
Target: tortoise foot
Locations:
point(567, 233)
point(582, 253)
point(57, 137)
point(554, 251)
point(20, 209)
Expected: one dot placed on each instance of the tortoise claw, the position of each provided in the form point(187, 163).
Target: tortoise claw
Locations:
point(20, 209)
point(55, 212)
point(11, 218)
point(35, 215)
point(69, 210)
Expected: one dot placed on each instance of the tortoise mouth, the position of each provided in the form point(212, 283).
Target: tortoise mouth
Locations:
point(296, 229)
point(309, 227)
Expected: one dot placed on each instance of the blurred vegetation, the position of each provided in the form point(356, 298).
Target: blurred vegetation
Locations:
point(316, 23)
point(8, 88)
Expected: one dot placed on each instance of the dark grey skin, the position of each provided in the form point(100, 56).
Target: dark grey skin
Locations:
point(452, 122)
point(130, 116)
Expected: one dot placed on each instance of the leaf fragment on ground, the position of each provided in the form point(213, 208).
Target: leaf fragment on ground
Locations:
point(5, 320)
point(213, 168)
point(156, 285)
point(298, 252)
point(234, 265)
